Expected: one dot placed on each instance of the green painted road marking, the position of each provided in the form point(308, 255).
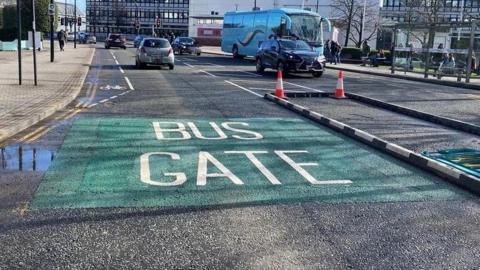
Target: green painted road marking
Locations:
point(464, 159)
point(193, 162)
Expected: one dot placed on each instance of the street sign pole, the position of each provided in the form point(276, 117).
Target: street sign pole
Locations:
point(473, 27)
point(51, 11)
point(19, 42)
point(34, 44)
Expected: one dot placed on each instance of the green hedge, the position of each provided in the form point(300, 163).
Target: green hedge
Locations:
point(356, 53)
point(351, 53)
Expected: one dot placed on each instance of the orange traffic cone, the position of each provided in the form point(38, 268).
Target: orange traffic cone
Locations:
point(279, 87)
point(339, 91)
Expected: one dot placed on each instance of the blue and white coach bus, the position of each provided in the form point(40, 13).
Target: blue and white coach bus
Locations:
point(244, 31)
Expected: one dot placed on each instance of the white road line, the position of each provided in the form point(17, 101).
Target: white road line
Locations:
point(206, 72)
point(103, 100)
point(129, 84)
point(251, 73)
point(114, 97)
point(116, 62)
point(262, 81)
point(200, 70)
point(304, 87)
point(189, 59)
point(215, 65)
point(265, 89)
point(121, 70)
point(243, 88)
point(92, 105)
point(122, 93)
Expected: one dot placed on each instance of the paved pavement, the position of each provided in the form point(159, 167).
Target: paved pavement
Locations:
point(59, 83)
point(381, 70)
point(99, 205)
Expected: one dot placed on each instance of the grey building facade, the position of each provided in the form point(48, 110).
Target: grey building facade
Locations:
point(131, 17)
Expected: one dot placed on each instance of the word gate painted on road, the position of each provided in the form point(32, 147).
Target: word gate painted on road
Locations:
point(179, 131)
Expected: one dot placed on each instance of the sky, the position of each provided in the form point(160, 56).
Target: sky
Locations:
point(80, 3)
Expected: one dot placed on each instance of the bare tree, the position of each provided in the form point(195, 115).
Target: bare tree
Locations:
point(365, 26)
point(426, 12)
point(349, 15)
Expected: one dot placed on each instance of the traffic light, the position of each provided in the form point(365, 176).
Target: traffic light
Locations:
point(79, 21)
point(158, 22)
point(137, 24)
point(62, 21)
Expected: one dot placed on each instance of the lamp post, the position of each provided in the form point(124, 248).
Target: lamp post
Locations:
point(363, 20)
point(137, 24)
point(75, 24)
point(19, 42)
point(52, 45)
point(65, 16)
point(34, 30)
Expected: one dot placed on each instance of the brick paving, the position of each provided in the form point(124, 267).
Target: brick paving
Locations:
point(58, 84)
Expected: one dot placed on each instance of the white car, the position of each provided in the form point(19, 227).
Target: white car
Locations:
point(155, 51)
point(71, 37)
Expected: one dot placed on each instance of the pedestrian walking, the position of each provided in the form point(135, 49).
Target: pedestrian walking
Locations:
point(327, 50)
point(335, 50)
point(61, 36)
point(365, 49)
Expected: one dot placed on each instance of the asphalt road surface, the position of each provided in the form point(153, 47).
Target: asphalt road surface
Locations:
point(192, 168)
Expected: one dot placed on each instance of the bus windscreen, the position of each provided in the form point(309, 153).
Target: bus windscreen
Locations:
point(306, 27)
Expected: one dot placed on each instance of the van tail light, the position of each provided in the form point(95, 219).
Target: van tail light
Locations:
point(142, 50)
point(170, 52)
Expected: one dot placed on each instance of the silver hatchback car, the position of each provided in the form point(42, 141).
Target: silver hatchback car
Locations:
point(155, 51)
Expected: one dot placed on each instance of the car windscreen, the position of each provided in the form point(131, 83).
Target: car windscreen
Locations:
point(156, 43)
point(295, 45)
point(186, 40)
point(115, 36)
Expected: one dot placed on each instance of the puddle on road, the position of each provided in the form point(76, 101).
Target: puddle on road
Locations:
point(25, 158)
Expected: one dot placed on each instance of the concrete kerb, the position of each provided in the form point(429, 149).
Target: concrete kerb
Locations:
point(424, 80)
point(451, 174)
point(51, 109)
point(444, 121)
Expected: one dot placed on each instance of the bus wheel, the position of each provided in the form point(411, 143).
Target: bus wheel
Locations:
point(259, 66)
point(235, 53)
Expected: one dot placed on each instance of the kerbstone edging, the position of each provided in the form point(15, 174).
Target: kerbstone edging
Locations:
point(408, 78)
point(445, 121)
point(451, 174)
point(49, 110)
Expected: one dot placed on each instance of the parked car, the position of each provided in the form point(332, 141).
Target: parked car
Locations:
point(290, 56)
point(116, 40)
point(71, 37)
point(91, 39)
point(155, 51)
point(87, 38)
point(188, 45)
point(137, 40)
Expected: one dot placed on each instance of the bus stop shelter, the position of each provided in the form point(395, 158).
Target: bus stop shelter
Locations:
point(440, 50)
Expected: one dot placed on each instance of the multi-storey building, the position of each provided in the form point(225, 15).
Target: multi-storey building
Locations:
point(446, 10)
point(445, 13)
point(131, 17)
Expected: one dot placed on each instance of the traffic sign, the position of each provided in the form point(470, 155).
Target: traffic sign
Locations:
point(204, 162)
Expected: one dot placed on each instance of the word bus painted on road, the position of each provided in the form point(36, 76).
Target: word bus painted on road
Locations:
point(178, 131)
point(145, 162)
